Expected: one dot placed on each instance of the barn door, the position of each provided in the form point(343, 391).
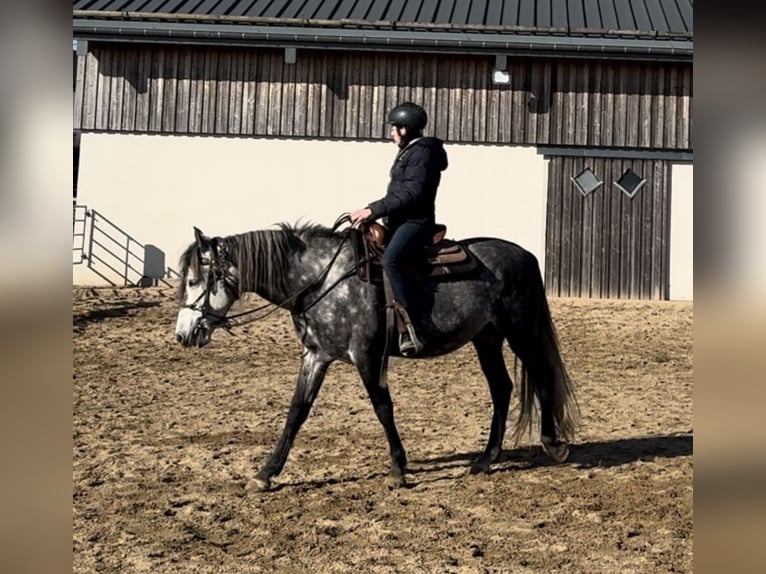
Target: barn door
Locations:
point(607, 228)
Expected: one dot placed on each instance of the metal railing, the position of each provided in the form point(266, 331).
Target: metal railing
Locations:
point(111, 253)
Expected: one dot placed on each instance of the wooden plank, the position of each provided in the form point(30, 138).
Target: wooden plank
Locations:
point(683, 139)
point(531, 113)
point(328, 97)
point(196, 90)
point(518, 111)
point(615, 227)
point(544, 106)
point(599, 238)
point(594, 97)
point(236, 88)
point(553, 228)
point(455, 99)
point(287, 121)
point(661, 226)
point(620, 107)
point(143, 98)
point(79, 93)
point(209, 92)
point(481, 87)
point(340, 95)
point(103, 89)
point(658, 107)
point(353, 103)
point(557, 103)
point(468, 91)
point(648, 194)
point(131, 70)
point(633, 104)
point(301, 101)
point(607, 107)
point(567, 215)
point(117, 89)
point(587, 224)
point(222, 91)
point(577, 233)
point(442, 127)
point(671, 105)
point(156, 89)
point(170, 75)
point(313, 94)
point(183, 110)
point(570, 103)
point(430, 93)
point(582, 71)
point(247, 105)
point(418, 74)
point(493, 114)
point(645, 107)
point(276, 69)
point(263, 91)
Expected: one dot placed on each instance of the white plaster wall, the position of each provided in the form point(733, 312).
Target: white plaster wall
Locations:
point(682, 232)
point(156, 188)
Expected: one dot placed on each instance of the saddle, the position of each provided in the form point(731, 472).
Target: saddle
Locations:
point(442, 258)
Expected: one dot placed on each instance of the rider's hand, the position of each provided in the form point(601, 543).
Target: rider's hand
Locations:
point(358, 216)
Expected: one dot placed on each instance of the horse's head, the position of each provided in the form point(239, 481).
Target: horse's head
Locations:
point(209, 286)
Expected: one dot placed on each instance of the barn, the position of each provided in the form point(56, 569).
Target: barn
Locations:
point(568, 126)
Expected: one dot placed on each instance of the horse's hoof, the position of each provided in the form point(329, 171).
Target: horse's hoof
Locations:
point(258, 485)
point(396, 481)
point(478, 468)
point(557, 450)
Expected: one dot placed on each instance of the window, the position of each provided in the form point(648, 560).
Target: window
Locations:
point(587, 182)
point(630, 183)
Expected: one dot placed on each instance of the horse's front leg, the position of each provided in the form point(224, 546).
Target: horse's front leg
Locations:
point(369, 370)
point(313, 370)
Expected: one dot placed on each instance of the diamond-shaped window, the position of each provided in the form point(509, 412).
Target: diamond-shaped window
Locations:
point(630, 182)
point(586, 181)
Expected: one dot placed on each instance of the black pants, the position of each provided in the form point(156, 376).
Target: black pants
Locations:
point(399, 260)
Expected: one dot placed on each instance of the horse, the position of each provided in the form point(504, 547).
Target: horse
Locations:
point(310, 271)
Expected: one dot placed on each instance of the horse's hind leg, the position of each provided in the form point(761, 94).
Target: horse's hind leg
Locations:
point(489, 348)
point(369, 370)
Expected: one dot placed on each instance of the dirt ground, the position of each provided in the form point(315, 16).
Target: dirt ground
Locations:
point(165, 437)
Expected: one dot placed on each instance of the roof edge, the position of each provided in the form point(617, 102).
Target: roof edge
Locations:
point(376, 24)
point(373, 39)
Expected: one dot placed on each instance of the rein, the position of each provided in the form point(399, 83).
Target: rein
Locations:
point(344, 218)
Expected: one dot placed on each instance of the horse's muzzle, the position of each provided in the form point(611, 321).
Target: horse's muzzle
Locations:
point(199, 336)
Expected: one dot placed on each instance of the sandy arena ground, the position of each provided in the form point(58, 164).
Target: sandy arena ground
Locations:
point(165, 437)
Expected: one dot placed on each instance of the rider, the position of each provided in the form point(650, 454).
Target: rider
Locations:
point(408, 207)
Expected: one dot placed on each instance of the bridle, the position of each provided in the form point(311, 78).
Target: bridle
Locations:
point(218, 272)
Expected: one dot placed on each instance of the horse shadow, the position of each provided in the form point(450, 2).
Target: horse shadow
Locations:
point(601, 454)
point(595, 454)
point(97, 315)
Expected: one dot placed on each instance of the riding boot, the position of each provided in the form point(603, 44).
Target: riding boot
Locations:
point(409, 342)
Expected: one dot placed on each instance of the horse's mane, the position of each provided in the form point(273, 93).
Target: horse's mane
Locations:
point(261, 256)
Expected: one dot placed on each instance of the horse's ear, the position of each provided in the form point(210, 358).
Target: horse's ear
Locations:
point(199, 237)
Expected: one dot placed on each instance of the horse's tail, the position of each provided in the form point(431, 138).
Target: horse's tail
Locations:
point(566, 412)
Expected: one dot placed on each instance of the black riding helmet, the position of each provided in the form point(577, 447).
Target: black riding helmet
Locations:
point(408, 115)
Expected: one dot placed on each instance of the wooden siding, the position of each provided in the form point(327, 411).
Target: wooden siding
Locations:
point(607, 244)
point(252, 92)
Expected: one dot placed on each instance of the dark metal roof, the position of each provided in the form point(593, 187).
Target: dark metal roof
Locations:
point(659, 28)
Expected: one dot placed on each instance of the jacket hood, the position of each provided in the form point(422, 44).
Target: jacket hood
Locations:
point(436, 146)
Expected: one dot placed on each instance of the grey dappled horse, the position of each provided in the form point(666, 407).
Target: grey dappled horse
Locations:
point(310, 271)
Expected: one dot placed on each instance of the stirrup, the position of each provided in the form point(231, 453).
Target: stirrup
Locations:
point(410, 344)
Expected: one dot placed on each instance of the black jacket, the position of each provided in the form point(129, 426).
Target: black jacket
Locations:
point(415, 177)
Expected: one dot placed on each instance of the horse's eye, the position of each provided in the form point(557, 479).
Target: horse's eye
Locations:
point(204, 261)
point(192, 282)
